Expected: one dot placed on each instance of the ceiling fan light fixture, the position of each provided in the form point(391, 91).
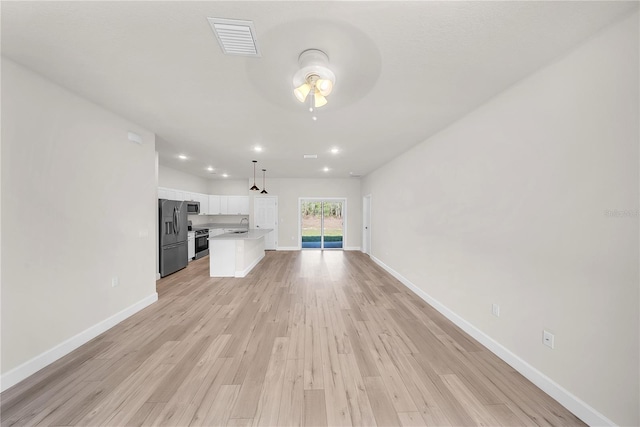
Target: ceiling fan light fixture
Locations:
point(302, 91)
point(324, 86)
point(314, 76)
point(319, 100)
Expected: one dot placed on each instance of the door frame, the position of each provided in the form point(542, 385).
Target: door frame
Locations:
point(275, 230)
point(324, 199)
point(366, 219)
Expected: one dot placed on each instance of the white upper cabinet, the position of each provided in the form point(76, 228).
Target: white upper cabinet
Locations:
point(168, 193)
point(164, 193)
point(204, 204)
point(238, 205)
point(214, 205)
point(209, 204)
point(224, 204)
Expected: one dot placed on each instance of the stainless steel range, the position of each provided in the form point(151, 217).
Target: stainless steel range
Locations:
point(202, 243)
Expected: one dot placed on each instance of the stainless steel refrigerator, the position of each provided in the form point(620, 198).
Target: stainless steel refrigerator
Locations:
point(173, 236)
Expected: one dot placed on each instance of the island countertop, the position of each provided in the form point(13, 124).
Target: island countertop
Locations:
point(252, 234)
point(218, 226)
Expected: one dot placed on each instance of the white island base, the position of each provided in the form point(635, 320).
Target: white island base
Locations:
point(235, 255)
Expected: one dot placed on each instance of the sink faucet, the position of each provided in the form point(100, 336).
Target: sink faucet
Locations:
point(244, 219)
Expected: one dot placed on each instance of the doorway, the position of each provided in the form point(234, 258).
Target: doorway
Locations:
point(366, 224)
point(265, 210)
point(322, 224)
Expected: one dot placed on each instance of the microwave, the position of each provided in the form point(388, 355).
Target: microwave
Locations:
point(193, 208)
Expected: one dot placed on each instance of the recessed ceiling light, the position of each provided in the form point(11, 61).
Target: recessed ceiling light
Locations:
point(182, 156)
point(334, 150)
point(326, 169)
point(224, 175)
point(314, 118)
point(257, 148)
point(210, 168)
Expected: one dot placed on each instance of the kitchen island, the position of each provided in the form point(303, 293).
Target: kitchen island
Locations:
point(235, 254)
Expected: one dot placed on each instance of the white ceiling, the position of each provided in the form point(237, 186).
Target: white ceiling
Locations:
point(404, 71)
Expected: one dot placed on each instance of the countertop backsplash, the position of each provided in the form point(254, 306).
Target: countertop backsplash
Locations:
point(217, 219)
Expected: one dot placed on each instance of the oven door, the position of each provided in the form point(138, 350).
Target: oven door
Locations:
point(202, 245)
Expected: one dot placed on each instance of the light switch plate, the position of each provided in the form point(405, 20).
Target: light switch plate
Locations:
point(495, 310)
point(548, 339)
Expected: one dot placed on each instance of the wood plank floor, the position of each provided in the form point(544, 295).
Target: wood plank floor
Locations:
point(308, 338)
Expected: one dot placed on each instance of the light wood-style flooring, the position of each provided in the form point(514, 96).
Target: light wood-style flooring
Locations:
point(308, 338)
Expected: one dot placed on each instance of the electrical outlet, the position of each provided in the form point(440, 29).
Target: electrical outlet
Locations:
point(548, 339)
point(115, 281)
point(495, 310)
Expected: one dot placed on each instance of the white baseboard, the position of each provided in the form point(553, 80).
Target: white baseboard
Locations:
point(33, 365)
point(297, 248)
point(574, 404)
point(246, 271)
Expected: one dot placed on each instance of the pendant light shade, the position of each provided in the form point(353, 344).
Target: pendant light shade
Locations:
point(264, 188)
point(254, 188)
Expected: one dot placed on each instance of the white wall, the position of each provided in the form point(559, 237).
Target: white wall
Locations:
point(290, 190)
point(509, 206)
point(78, 208)
point(172, 178)
point(229, 187)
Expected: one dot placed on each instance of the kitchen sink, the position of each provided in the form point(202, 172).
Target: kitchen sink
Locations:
point(239, 232)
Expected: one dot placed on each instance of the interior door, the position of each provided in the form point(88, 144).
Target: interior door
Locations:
point(266, 216)
point(366, 225)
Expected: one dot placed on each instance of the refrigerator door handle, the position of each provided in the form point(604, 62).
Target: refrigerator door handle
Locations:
point(175, 221)
point(178, 221)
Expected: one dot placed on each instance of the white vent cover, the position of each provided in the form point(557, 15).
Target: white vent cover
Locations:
point(235, 37)
point(310, 156)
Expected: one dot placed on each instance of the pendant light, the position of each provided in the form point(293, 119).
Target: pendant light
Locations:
point(264, 188)
point(254, 188)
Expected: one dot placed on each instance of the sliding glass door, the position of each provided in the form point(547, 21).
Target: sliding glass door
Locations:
point(321, 224)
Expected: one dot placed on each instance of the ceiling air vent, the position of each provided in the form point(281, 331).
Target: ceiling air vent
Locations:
point(235, 37)
point(355, 175)
point(310, 156)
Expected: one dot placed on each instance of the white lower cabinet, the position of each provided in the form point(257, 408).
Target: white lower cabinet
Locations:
point(191, 245)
